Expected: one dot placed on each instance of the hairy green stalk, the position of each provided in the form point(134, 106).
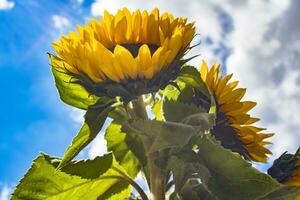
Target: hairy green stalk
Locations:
point(157, 176)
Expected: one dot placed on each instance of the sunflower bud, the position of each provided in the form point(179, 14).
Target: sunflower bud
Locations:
point(286, 169)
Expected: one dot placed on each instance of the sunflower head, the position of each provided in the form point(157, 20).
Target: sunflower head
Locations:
point(286, 169)
point(126, 54)
point(234, 126)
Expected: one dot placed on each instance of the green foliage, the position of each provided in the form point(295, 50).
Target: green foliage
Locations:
point(182, 169)
point(176, 111)
point(231, 176)
point(157, 110)
point(193, 190)
point(170, 92)
point(116, 142)
point(89, 179)
point(177, 143)
point(224, 175)
point(191, 76)
point(126, 146)
point(135, 144)
point(167, 134)
point(70, 92)
point(94, 120)
point(283, 193)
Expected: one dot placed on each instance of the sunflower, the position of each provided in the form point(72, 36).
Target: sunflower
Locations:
point(234, 127)
point(294, 179)
point(286, 169)
point(139, 51)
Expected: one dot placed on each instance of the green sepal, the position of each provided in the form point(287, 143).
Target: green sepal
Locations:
point(94, 120)
point(88, 179)
point(70, 92)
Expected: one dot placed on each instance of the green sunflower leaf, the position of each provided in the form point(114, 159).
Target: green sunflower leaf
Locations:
point(186, 166)
point(187, 94)
point(94, 120)
point(170, 92)
point(181, 171)
point(167, 134)
point(283, 193)
point(116, 142)
point(191, 76)
point(71, 93)
point(135, 144)
point(126, 141)
point(231, 176)
point(89, 179)
point(193, 190)
point(176, 111)
point(157, 110)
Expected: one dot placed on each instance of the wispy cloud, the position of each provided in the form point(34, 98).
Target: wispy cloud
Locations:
point(80, 1)
point(60, 22)
point(5, 192)
point(98, 146)
point(6, 5)
point(264, 59)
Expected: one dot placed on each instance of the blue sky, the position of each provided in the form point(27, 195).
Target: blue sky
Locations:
point(33, 119)
point(255, 46)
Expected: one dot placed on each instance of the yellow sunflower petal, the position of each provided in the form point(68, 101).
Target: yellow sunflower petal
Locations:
point(204, 70)
point(128, 35)
point(154, 26)
point(136, 26)
point(126, 60)
point(231, 107)
point(252, 120)
point(144, 31)
point(247, 105)
point(144, 61)
point(120, 27)
point(235, 95)
point(239, 119)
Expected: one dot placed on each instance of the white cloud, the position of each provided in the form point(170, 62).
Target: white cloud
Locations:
point(6, 5)
point(264, 46)
point(98, 146)
point(5, 193)
point(77, 115)
point(60, 22)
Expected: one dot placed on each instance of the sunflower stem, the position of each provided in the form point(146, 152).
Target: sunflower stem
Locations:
point(157, 176)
